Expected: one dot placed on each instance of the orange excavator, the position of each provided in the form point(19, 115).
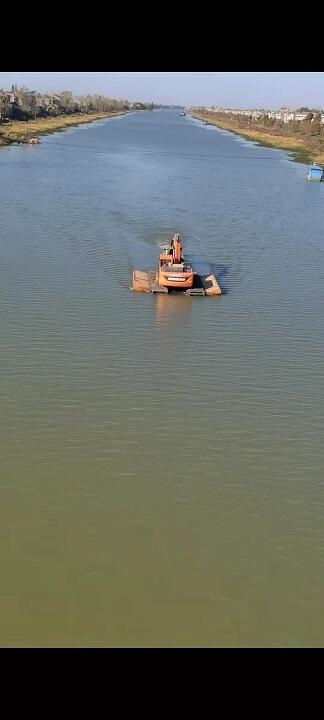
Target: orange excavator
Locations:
point(173, 270)
point(175, 273)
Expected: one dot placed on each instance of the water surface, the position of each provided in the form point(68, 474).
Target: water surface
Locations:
point(161, 457)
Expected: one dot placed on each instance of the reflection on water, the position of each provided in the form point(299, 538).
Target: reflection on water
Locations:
point(161, 457)
point(171, 311)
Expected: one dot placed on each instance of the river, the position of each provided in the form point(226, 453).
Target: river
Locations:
point(161, 457)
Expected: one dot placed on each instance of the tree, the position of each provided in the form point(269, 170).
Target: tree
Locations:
point(4, 103)
point(33, 104)
point(66, 99)
point(24, 96)
point(309, 116)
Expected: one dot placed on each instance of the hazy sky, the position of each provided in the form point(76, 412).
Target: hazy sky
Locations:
point(191, 88)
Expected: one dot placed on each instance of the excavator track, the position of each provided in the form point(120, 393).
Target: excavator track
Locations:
point(195, 291)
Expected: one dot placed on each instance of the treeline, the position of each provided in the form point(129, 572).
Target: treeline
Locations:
point(26, 104)
point(307, 109)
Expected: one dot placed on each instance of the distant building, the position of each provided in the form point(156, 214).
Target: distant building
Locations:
point(285, 115)
point(300, 116)
point(288, 117)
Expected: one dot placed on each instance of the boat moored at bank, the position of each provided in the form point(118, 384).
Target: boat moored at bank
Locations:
point(315, 173)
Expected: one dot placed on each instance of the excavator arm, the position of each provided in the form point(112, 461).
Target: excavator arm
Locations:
point(176, 249)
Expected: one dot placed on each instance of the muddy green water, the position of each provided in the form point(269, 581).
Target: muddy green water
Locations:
point(162, 458)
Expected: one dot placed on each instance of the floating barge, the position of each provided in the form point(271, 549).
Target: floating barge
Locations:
point(174, 273)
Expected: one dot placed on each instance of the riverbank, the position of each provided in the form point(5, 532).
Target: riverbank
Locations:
point(301, 151)
point(16, 129)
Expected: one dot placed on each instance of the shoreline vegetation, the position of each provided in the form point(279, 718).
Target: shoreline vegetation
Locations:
point(15, 130)
point(25, 113)
point(303, 148)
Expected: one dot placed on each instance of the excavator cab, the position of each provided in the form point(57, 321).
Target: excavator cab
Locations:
point(173, 270)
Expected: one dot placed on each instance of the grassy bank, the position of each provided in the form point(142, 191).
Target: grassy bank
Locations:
point(16, 129)
point(300, 149)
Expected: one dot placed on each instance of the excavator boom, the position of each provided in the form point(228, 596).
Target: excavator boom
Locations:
point(176, 249)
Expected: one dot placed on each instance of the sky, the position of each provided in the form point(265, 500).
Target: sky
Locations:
point(232, 89)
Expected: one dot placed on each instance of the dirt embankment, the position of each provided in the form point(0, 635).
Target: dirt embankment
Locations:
point(302, 149)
